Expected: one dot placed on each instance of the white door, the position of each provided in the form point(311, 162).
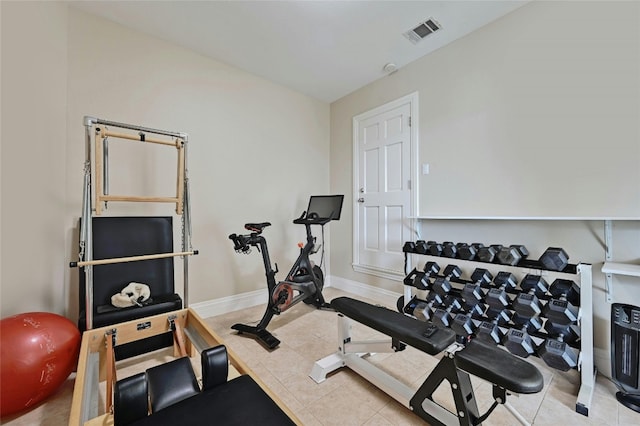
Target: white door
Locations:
point(382, 216)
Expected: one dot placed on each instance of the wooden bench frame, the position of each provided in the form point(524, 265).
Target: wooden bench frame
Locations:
point(94, 363)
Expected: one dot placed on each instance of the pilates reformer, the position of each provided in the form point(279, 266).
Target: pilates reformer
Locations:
point(170, 393)
point(117, 249)
point(507, 373)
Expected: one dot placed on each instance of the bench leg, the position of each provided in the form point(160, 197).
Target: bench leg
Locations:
point(422, 402)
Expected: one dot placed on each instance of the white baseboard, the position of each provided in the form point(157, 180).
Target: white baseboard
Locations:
point(236, 302)
point(365, 290)
point(228, 304)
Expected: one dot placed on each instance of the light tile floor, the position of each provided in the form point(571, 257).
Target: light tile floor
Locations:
point(345, 398)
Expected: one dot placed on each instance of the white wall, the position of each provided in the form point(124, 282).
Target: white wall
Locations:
point(458, 99)
point(34, 107)
point(256, 151)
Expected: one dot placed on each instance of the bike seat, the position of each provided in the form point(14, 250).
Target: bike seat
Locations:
point(256, 227)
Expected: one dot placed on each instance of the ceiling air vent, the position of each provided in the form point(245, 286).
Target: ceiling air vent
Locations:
point(422, 30)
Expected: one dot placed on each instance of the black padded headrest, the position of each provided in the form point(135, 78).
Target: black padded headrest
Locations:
point(130, 236)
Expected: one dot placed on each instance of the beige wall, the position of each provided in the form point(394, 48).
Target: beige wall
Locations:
point(463, 88)
point(256, 151)
point(34, 198)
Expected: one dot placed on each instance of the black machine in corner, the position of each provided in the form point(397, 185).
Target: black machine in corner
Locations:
point(305, 280)
point(625, 350)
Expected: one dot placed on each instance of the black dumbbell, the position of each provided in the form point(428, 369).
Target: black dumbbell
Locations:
point(555, 351)
point(442, 285)
point(423, 309)
point(420, 247)
point(449, 249)
point(417, 279)
point(463, 323)
point(554, 259)
point(420, 279)
point(512, 255)
point(468, 251)
point(488, 254)
point(409, 247)
point(527, 304)
point(489, 330)
point(497, 298)
point(518, 340)
point(564, 307)
point(443, 315)
point(474, 291)
point(433, 248)
point(431, 268)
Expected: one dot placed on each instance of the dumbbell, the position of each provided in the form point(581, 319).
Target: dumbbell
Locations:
point(468, 251)
point(420, 279)
point(420, 247)
point(556, 351)
point(512, 255)
point(423, 309)
point(527, 304)
point(443, 315)
point(474, 291)
point(441, 284)
point(417, 279)
point(433, 248)
point(564, 307)
point(488, 254)
point(518, 340)
point(497, 298)
point(554, 259)
point(409, 247)
point(489, 331)
point(449, 249)
point(463, 323)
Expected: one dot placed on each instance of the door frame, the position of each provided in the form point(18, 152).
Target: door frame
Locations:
point(412, 99)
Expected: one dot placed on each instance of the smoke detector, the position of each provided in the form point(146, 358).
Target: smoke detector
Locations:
point(422, 30)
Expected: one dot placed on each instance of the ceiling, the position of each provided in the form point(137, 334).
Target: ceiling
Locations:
point(324, 49)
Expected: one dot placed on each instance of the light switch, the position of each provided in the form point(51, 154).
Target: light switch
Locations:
point(425, 169)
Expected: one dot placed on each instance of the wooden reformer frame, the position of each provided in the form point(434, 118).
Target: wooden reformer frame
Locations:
point(98, 130)
point(96, 363)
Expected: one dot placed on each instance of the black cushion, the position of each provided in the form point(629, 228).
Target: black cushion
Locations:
point(131, 236)
point(130, 401)
point(115, 237)
point(396, 325)
point(165, 303)
point(237, 402)
point(170, 383)
point(215, 367)
point(498, 366)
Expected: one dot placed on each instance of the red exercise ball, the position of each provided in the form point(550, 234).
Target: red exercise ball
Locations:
point(38, 351)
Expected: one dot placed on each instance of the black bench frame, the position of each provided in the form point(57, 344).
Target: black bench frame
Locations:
point(507, 373)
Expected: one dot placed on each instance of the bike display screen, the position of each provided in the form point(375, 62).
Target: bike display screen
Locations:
point(325, 206)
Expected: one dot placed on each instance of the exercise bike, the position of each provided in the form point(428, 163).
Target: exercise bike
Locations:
point(305, 278)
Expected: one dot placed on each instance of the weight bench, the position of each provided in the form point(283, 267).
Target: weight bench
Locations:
point(507, 373)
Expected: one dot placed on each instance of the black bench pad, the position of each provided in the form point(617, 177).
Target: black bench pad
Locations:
point(237, 402)
point(395, 325)
point(498, 366)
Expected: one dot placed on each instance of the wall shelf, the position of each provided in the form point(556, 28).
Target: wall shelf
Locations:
point(621, 269)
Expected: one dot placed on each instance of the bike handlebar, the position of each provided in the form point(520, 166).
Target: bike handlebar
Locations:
point(240, 243)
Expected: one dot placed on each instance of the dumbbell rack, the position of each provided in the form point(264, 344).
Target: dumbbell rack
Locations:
point(580, 273)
